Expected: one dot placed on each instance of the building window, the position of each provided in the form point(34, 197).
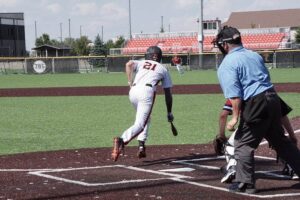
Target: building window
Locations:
point(19, 22)
point(7, 21)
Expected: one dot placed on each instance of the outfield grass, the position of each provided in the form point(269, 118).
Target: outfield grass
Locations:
point(52, 123)
point(29, 124)
point(119, 79)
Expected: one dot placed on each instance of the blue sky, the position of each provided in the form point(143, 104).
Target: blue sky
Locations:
point(91, 15)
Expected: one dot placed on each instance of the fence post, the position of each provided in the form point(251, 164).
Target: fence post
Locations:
point(217, 61)
point(53, 66)
point(25, 66)
point(274, 60)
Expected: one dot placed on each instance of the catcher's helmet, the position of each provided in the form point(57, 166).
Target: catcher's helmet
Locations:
point(153, 53)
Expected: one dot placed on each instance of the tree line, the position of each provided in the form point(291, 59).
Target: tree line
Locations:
point(82, 46)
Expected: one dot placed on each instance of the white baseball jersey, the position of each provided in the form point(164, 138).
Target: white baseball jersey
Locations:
point(142, 96)
point(151, 72)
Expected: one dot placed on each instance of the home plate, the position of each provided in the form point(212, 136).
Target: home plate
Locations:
point(184, 169)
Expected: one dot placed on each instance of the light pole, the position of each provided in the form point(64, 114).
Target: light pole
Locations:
point(102, 34)
point(70, 28)
point(80, 31)
point(60, 25)
point(35, 30)
point(162, 25)
point(129, 5)
point(200, 35)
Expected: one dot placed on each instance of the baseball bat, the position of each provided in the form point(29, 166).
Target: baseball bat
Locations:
point(174, 130)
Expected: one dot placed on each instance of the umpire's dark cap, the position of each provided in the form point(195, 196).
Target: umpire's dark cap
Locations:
point(230, 35)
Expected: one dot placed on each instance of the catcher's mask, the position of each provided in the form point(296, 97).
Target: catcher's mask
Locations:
point(153, 53)
point(227, 35)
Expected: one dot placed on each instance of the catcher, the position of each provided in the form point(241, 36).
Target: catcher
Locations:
point(225, 147)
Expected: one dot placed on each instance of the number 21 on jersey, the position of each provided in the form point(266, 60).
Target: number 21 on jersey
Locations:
point(149, 66)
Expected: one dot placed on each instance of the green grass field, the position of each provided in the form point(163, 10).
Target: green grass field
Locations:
point(29, 124)
point(119, 79)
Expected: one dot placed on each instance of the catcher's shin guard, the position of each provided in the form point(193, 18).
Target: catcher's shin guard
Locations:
point(229, 149)
point(229, 152)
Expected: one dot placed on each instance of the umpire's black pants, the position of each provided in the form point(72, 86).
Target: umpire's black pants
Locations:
point(261, 118)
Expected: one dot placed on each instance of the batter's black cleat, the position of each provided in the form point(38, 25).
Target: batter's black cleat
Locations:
point(118, 148)
point(242, 188)
point(141, 152)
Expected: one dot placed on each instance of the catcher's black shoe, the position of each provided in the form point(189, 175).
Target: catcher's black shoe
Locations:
point(229, 175)
point(118, 148)
point(242, 188)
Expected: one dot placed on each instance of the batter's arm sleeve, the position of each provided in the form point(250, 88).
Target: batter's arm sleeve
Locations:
point(129, 70)
point(168, 99)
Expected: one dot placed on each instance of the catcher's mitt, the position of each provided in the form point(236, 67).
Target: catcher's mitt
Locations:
point(219, 145)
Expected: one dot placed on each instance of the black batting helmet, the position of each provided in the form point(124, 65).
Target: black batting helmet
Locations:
point(153, 53)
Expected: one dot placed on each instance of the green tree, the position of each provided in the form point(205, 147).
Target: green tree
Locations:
point(297, 36)
point(80, 46)
point(42, 40)
point(120, 42)
point(45, 39)
point(98, 48)
point(55, 42)
point(69, 41)
point(109, 44)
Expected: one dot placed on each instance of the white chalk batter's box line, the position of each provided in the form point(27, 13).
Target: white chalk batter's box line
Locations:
point(269, 173)
point(175, 177)
point(45, 174)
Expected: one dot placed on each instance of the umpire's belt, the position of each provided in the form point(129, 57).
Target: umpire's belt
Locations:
point(147, 84)
point(267, 92)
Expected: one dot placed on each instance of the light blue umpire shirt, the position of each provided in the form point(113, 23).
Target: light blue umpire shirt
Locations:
point(243, 74)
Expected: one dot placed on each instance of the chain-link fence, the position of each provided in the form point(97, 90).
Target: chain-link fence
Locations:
point(90, 64)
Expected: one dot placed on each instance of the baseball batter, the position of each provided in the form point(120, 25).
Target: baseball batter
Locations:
point(148, 74)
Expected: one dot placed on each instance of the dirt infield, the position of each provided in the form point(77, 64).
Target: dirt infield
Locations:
point(123, 90)
point(174, 172)
point(170, 172)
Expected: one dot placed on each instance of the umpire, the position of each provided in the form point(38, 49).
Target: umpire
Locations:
point(246, 82)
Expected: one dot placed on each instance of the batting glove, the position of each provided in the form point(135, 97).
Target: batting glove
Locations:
point(170, 117)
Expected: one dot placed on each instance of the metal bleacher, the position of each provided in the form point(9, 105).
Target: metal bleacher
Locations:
point(188, 42)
